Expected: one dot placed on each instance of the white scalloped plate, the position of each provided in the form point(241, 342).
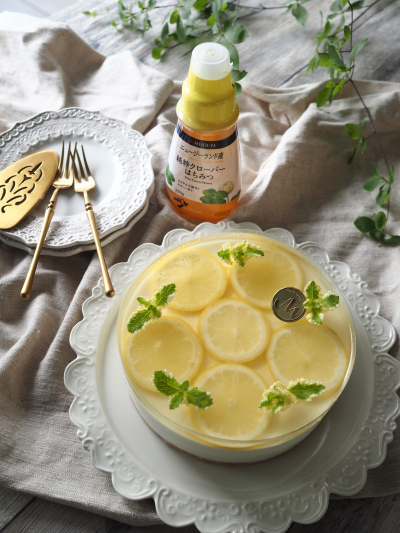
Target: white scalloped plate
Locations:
point(118, 158)
point(218, 498)
point(68, 251)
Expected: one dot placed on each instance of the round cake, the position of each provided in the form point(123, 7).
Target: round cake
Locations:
point(216, 366)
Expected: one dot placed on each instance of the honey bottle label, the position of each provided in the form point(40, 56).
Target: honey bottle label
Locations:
point(203, 174)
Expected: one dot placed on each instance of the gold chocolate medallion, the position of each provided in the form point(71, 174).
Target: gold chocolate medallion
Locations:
point(287, 304)
point(23, 184)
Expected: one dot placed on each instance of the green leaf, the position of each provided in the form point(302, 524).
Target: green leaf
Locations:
point(211, 20)
point(224, 6)
point(238, 75)
point(304, 390)
point(335, 58)
point(361, 125)
point(344, 2)
point(225, 255)
point(390, 240)
point(329, 301)
point(233, 53)
point(176, 400)
point(324, 60)
point(200, 4)
point(315, 316)
point(364, 224)
point(311, 66)
point(236, 195)
point(229, 22)
point(186, 9)
point(383, 190)
point(391, 175)
point(353, 155)
point(180, 30)
point(363, 144)
point(169, 176)
point(144, 302)
point(88, 13)
point(300, 13)
point(152, 308)
point(312, 291)
point(336, 6)
point(376, 235)
point(164, 296)
point(322, 97)
point(347, 34)
point(236, 34)
point(238, 89)
point(352, 131)
point(241, 253)
point(339, 86)
point(174, 17)
point(380, 221)
point(198, 398)
point(317, 304)
point(357, 47)
point(274, 402)
point(357, 5)
point(166, 383)
point(169, 386)
point(156, 53)
point(165, 31)
point(386, 197)
point(372, 183)
point(139, 320)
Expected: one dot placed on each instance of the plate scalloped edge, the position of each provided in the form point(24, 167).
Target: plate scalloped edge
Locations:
point(176, 508)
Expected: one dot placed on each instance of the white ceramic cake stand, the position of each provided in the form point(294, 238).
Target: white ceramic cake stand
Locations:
point(266, 496)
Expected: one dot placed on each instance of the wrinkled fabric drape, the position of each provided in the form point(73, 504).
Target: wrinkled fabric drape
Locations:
point(295, 174)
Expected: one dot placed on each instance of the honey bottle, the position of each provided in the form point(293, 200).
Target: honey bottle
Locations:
point(203, 174)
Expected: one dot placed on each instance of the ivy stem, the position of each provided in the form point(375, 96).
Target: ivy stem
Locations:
point(375, 133)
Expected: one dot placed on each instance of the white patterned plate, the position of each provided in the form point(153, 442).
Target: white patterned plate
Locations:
point(72, 250)
point(118, 158)
point(219, 498)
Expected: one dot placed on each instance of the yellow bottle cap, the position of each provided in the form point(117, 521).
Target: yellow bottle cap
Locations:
point(208, 102)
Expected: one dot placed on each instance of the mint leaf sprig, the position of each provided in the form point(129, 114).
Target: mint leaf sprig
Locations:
point(180, 393)
point(150, 309)
point(317, 303)
point(279, 398)
point(240, 253)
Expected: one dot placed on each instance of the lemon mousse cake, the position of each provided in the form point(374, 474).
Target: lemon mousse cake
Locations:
point(211, 365)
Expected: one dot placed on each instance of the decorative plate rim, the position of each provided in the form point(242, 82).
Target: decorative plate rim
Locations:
point(117, 136)
point(73, 250)
point(307, 505)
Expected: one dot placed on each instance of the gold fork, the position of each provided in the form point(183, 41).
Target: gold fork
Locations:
point(63, 179)
point(84, 182)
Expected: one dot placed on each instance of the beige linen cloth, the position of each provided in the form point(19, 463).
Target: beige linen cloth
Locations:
point(295, 176)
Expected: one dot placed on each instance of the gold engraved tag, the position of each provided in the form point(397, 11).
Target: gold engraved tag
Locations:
point(287, 304)
point(23, 184)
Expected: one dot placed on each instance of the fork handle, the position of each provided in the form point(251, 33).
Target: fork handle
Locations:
point(108, 287)
point(26, 289)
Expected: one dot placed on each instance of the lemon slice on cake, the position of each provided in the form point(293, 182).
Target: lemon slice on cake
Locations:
point(233, 330)
point(262, 277)
point(165, 343)
point(236, 391)
point(199, 277)
point(307, 351)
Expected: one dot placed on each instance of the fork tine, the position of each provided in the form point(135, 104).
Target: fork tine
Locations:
point(86, 165)
point(73, 166)
point(83, 175)
point(61, 162)
point(66, 170)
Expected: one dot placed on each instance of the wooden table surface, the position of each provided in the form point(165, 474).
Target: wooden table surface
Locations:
point(275, 55)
